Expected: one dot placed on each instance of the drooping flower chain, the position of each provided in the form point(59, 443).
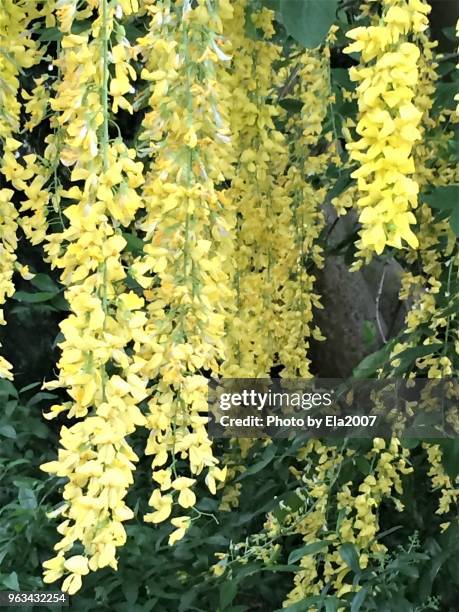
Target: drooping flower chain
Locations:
point(95, 366)
point(388, 124)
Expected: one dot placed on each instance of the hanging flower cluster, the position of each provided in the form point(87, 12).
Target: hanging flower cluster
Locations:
point(354, 520)
point(306, 220)
point(449, 487)
point(276, 222)
point(358, 508)
point(259, 196)
point(388, 124)
point(96, 366)
point(438, 265)
point(8, 244)
point(18, 51)
point(187, 226)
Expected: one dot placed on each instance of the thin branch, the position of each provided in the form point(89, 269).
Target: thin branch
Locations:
point(378, 314)
point(447, 57)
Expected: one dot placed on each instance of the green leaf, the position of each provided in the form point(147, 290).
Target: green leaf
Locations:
point(453, 569)
point(308, 549)
point(261, 464)
point(340, 76)
point(272, 4)
point(358, 600)
point(443, 198)
point(133, 243)
point(409, 570)
point(400, 604)
point(387, 532)
point(10, 407)
point(44, 283)
point(81, 26)
point(408, 356)
point(331, 604)
point(60, 303)
point(350, 556)
point(454, 220)
point(28, 387)
point(450, 33)
point(187, 598)
point(132, 32)
point(428, 576)
point(302, 606)
point(7, 431)
point(228, 591)
point(11, 581)
point(8, 389)
point(450, 456)
point(130, 590)
point(445, 95)
point(368, 332)
point(40, 397)
point(340, 185)
point(363, 465)
point(308, 21)
point(33, 298)
point(50, 34)
point(27, 499)
point(3, 552)
point(410, 442)
point(371, 363)
point(250, 29)
point(282, 568)
point(291, 105)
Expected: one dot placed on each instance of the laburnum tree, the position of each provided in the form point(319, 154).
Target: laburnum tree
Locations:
point(177, 167)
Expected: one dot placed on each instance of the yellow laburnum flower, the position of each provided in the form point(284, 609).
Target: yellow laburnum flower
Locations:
point(163, 505)
point(72, 584)
point(54, 568)
point(77, 565)
point(181, 523)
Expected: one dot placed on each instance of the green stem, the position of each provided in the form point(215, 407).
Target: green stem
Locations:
point(447, 57)
point(104, 92)
point(104, 143)
point(448, 288)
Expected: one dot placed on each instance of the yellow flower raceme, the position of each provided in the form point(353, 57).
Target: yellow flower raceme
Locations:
point(18, 51)
point(388, 124)
point(188, 246)
point(359, 509)
point(440, 479)
point(8, 244)
point(96, 367)
point(37, 103)
point(257, 190)
point(424, 289)
point(305, 220)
